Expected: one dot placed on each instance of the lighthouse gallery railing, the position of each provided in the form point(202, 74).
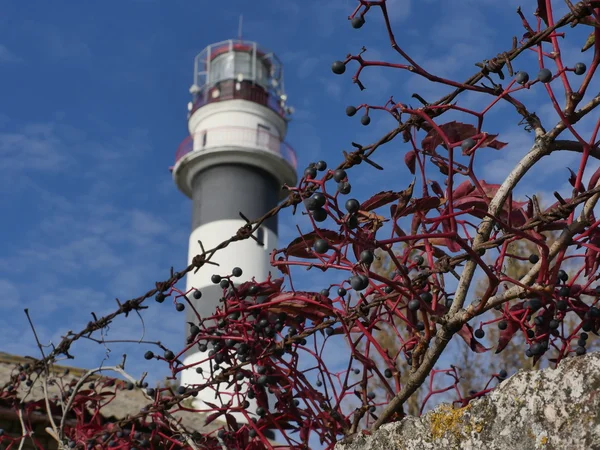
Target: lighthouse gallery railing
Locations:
point(250, 138)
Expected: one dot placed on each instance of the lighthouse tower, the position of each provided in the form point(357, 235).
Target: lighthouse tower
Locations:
point(234, 160)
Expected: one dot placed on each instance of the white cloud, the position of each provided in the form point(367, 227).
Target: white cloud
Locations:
point(8, 57)
point(60, 45)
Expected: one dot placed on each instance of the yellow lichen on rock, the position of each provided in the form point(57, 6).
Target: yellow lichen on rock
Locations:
point(447, 419)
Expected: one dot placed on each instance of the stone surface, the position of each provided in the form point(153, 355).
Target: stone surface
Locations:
point(550, 409)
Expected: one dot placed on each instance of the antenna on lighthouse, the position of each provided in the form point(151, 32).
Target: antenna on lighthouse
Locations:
point(240, 27)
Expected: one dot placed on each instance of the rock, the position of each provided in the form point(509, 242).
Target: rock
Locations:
point(550, 409)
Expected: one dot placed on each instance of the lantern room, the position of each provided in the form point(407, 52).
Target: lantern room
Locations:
point(236, 69)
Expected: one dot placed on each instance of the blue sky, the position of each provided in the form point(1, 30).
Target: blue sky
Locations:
point(94, 106)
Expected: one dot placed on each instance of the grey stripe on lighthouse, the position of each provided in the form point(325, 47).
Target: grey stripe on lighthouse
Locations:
point(221, 192)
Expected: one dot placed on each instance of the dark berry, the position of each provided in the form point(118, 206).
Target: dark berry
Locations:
point(366, 257)
point(350, 111)
point(372, 409)
point(371, 395)
point(321, 246)
point(587, 326)
point(539, 321)
point(329, 331)
point(365, 120)
point(554, 324)
point(468, 144)
point(310, 172)
point(544, 76)
point(216, 279)
point(426, 297)
point(564, 291)
point(319, 383)
point(352, 205)
point(580, 68)
point(359, 282)
point(318, 200)
point(561, 305)
point(325, 292)
point(197, 294)
point(502, 325)
point(339, 175)
point(583, 336)
point(160, 297)
point(537, 348)
point(388, 373)
point(419, 260)
point(148, 355)
point(169, 355)
point(562, 275)
point(181, 390)
point(224, 283)
point(236, 272)
point(388, 289)
point(479, 333)
point(338, 67)
point(594, 312)
point(581, 342)
point(533, 258)
point(414, 304)
point(535, 304)
point(502, 374)
point(357, 21)
point(262, 380)
point(321, 166)
point(341, 292)
point(530, 334)
point(522, 77)
point(202, 347)
point(179, 307)
point(253, 290)
point(580, 351)
point(352, 222)
point(261, 411)
point(221, 434)
point(420, 326)
point(344, 187)
point(319, 215)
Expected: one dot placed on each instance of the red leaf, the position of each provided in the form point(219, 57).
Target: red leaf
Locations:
point(491, 142)
point(362, 242)
point(380, 199)
point(423, 204)
point(212, 417)
point(454, 131)
point(405, 197)
point(463, 189)
point(436, 188)
point(511, 329)
point(591, 256)
point(573, 177)
point(490, 190)
point(466, 332)
point(594, 179)
point(301, 247)
point(452, 245)
point(410, 160)
point(295, 304)
point(231, 422)
point(541, 11)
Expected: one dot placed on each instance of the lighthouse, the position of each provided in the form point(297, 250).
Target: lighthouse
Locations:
point(234, 160)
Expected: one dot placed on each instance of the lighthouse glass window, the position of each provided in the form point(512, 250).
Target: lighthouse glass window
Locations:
point(230, 65)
